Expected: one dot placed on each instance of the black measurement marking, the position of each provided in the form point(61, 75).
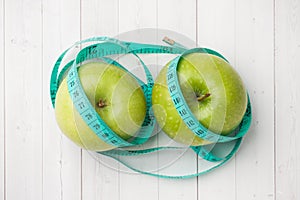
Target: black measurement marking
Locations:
point(71, 74)
point(89, 116)
point(75, 94)
point(92, 49)
point(176, 100)
point(190, 123)
point(72, 83)
point(200, 132)
point(81, 105)
point(96, 126)
point(182, 112)
point(53, 92)
point(172, 88)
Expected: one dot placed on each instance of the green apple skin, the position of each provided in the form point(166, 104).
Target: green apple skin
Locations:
point(201, 74)
point(124, 110)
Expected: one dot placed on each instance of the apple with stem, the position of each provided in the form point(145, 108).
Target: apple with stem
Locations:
point(213, 91)
point(116, 96)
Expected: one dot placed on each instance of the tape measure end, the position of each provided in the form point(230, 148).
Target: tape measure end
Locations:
point(168, 40)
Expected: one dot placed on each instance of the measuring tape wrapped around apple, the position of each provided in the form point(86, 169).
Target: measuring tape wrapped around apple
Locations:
point(198, 100)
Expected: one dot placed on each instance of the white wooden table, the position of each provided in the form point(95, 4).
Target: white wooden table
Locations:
point(261, 38)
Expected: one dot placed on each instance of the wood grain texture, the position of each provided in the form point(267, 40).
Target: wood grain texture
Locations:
point(2, 109)
point(287, 58)
point(135, 15)
point(261, 39)
point(23, 99)
point(216, 30)
point(179, 16)
point(99, 18)
point(61, 158)
point(255, 60)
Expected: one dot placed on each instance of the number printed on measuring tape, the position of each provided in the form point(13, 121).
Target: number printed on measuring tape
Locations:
point(105, 46)
point(189, 119)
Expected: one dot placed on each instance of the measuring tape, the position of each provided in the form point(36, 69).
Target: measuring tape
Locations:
point(102, 48)
point(186, 114)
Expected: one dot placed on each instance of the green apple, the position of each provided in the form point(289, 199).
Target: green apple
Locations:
point(115, 95)
point(212, 89)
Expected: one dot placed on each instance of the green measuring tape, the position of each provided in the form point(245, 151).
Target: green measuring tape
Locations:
point(102, 48)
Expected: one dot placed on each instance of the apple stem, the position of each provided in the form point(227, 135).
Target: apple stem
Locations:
point(202, 97)
point(101, 103)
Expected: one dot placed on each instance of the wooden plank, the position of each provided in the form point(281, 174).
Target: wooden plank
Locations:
point(99, 181)
point(180, 17)
point(137, 14)
point(287, 98)
point(255, 59)
point(99, 18)
point(216, 30)
point(2, 109)
point(23, 99)
point(134, 15)
point(61, 158)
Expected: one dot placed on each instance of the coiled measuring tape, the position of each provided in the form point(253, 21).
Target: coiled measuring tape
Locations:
point(102, 48)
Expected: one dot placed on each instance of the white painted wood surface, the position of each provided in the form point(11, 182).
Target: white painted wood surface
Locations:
point(61, 158)
point(23, 100)
point(184, 20)
point(216, 30)
point(255, 57)
point(134, 14)
point(2, 151)
point(287, 129)
point(98, 181)
point(260, 38)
